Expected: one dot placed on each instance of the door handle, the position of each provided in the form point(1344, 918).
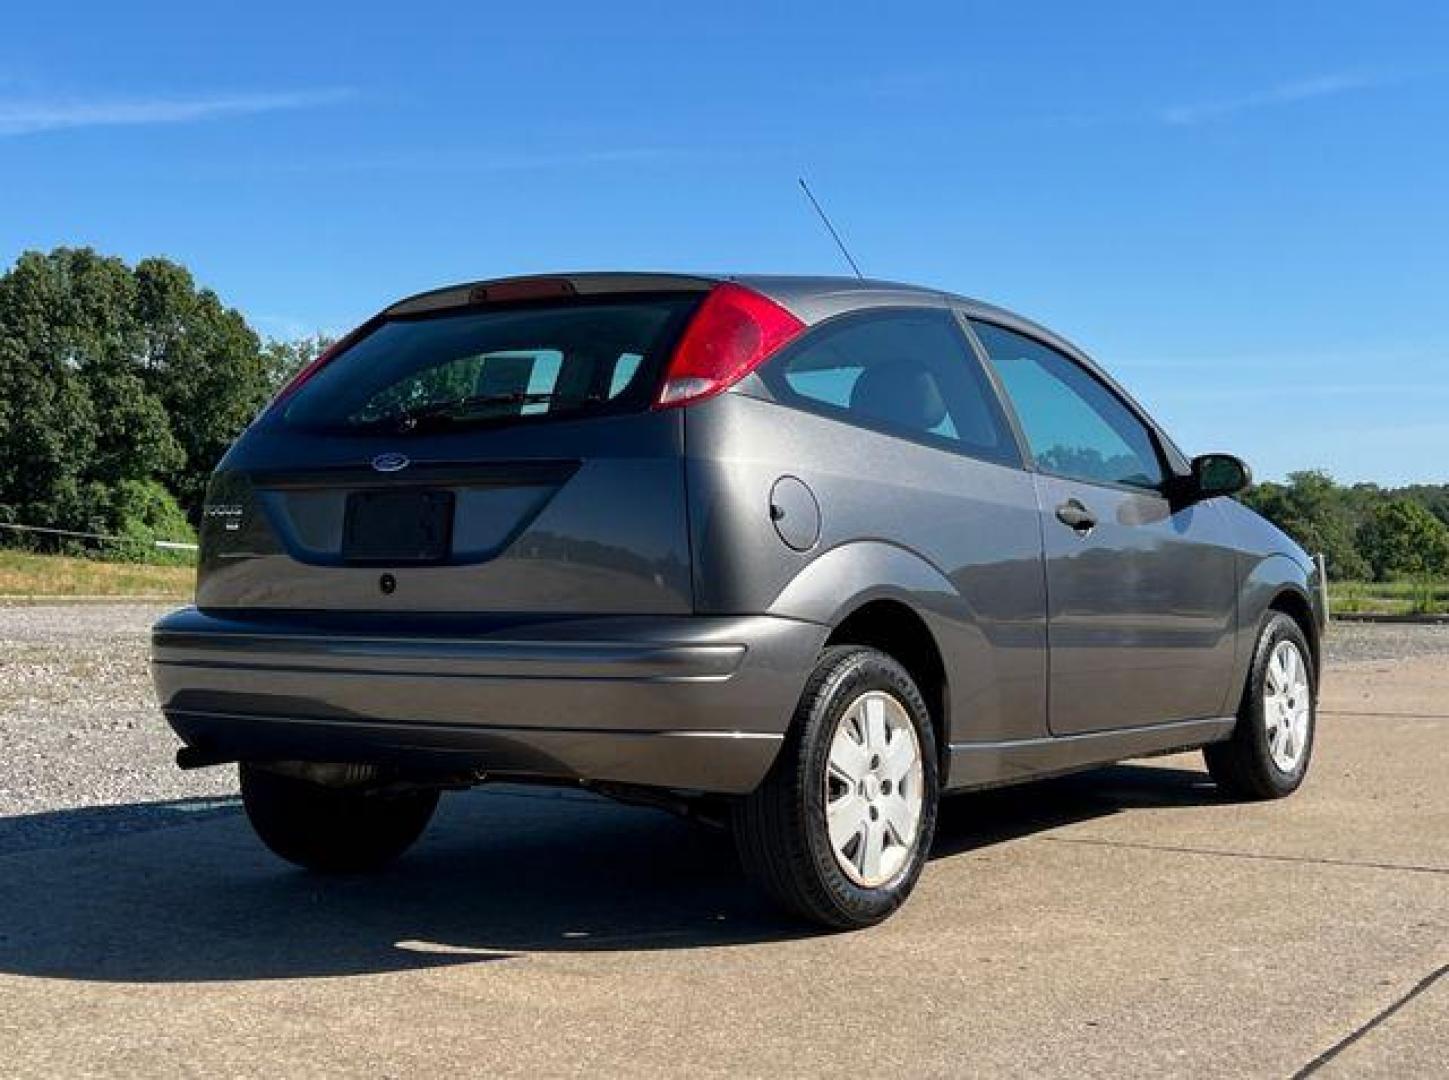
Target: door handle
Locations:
point(1076, 517)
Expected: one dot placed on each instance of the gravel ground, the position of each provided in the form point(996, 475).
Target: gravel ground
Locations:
point(78, 720)
point(1349, 642)
point(79, 726)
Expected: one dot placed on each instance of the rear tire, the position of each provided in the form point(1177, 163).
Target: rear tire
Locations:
point(1268, 754)
point(332, 830)
point(840, 829)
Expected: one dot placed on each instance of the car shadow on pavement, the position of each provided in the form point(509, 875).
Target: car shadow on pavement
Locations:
point(982, 818)
point(183, 893)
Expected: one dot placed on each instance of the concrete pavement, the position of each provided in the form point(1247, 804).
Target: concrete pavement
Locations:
point(1120, 923)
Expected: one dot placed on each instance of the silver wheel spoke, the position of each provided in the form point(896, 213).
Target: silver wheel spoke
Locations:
point(1277, 676)
point(899, 817)
point(875, 725)
point(845, 818)
point(899, 758)
point(848, 759)
point(868, 859)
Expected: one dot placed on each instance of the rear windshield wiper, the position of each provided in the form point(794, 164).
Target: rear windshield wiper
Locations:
point(407, 419)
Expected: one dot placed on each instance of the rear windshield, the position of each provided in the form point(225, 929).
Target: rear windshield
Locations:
point(496, 366)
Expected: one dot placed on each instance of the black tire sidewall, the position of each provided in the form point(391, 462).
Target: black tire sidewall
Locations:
point(1252, 717)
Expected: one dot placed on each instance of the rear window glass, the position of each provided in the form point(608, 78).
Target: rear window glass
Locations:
point(495, 366)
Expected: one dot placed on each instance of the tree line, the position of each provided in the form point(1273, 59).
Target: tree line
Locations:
point(1365, 532)
point(121, 386)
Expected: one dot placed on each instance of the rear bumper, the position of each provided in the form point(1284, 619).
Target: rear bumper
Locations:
point(678, 702)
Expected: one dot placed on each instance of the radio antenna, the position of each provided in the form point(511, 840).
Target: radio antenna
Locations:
point(834, 235)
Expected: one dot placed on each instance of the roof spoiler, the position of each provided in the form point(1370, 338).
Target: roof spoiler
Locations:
point(541, 286)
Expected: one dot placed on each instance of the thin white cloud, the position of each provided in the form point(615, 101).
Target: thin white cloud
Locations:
point(26, 117)
point(453, 161)
point(1282, 94)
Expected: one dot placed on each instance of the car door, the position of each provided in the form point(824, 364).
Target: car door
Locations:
point(1141, 598)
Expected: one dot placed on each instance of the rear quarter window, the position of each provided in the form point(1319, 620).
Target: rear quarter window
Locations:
point(905, 372)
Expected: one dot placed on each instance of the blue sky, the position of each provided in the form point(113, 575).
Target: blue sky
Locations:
point(1242, 209)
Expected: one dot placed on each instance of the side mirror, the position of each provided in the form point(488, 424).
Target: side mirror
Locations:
point(1217, 474)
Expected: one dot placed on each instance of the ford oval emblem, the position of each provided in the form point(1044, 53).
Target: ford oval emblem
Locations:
point(391, 462)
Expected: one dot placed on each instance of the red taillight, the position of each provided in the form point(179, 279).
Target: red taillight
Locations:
point(733, 332)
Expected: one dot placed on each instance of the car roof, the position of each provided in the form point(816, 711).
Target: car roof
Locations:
point(816, 298)
point(811, 298)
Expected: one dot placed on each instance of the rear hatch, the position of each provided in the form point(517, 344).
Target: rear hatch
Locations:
point(486, 450)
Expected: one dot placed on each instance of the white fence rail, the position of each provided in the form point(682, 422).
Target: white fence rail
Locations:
point(41, 530)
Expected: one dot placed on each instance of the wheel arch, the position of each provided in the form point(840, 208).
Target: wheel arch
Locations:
point(896, 629)
point(1276, 583)
point(1295, 604)
point(883, 595)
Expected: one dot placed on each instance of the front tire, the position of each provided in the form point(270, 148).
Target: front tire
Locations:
point(332, 830)
point(840, 829)
point(1268, 753)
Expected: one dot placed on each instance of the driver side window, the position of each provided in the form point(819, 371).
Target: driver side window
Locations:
point(1075, 426)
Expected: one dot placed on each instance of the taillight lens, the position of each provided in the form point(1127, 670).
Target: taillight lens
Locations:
point(733, 332)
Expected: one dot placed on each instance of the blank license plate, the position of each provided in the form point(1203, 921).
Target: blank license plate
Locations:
point(397, 526)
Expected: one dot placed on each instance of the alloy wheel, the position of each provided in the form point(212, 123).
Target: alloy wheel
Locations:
point(1287, 706)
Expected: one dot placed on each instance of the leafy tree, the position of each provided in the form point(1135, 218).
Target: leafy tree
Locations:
point(205, 366)
point(283, 359)
point(1433, 497)
point(148, 512)
point(47, 416)
point(1402, 538)
point(1313, 510)
point(120, 388)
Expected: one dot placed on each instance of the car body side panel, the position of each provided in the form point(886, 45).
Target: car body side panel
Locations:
point(1269, 565)
point(956, 539)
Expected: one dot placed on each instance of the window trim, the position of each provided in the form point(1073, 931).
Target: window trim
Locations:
point(773, 382)
point(1154, 433)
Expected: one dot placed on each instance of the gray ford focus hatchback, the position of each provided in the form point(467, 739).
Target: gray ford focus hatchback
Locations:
point(794, 555)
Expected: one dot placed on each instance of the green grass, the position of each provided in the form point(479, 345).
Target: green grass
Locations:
point(24, 573)
point(1389, 597)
